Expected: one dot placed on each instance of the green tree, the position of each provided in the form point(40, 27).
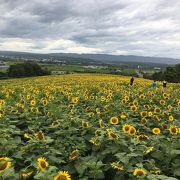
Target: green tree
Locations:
point(26, 70)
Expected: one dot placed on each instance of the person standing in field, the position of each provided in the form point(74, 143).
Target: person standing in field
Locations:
point(164, 84)
point(132, 81)
point(154, 85)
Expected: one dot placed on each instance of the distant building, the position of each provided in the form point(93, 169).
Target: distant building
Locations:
point(95, 67)
point(3, 65)
point(118, 70)
point(58, 72)
point(157, 68)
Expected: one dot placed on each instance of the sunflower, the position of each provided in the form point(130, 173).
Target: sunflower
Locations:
point(169, 107)
point(98, 113)
point(91, 97)
point(1, 112)
point(149, 93)
point(55, 123)
point(123, 101)
point(173, 130)
point(106, 107)
point(70, 106)
point(33, 102)
point(40, 136)
point(142, 137)
point(44, 102)
point(75, 100)
point(126, 98)
point(157, 110)
point(74, 154)
point(156, 117)
point(91, 114)
point(150, 114)
point(101, 123)
point(134, 108)
point(103, 98)
point(123, 116)
point(98, 132)
point(28, 96)
point(143, 121)
point(132, 131)
point(139, 172)
point(49, 114)
point(88, 109)
point(164, 113)
point(62, 175)
point(146, 106)
point(126, 128)
point(117, 166)
point(94, 141)
point(142, 96)
point(42, 163)
point(143, 113)
point(4, 163)
point(112, 135)
point(162, 102)
point(114, 120)
point(171, 118)
point(135, 103)
point(148, 150)
point(85, 124)
point(131, 104)
point(109, 96)
point(26, 174)
point(2, 102)
point(34, 110)
point(28, 136)
point(156, 171)
point(156, 131)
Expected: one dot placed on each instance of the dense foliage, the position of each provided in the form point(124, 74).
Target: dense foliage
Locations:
point(171, 74)
point(86, 126)
point(26, 70)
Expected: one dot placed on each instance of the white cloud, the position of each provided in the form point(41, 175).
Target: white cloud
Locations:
point(137, 27)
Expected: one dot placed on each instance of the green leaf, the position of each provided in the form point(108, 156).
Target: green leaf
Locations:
point(158, 155)
point(174, 153)
point(177, 171)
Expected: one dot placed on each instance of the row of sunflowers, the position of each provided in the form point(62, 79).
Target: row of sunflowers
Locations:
point(84, 126)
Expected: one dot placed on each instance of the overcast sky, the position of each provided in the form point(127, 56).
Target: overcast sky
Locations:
point(121, 27)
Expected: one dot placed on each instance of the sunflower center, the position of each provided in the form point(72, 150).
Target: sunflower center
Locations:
point(113, 135)
point(114, 120)
point(43, 164)
point(62, 177)
point(3, 165)
point(126, 128)
point(157, 110)
point(132, 131)
point(156, 131)
point(40, 136)
point(173, 130)
point(140, 173)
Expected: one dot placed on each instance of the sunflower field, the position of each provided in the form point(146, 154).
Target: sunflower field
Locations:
point(84, 126)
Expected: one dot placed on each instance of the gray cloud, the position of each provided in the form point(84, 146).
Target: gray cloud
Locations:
point(137, 27)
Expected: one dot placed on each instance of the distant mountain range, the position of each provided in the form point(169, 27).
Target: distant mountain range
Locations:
point(106, 58)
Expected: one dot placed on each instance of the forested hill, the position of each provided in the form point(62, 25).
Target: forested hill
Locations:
point(96, 57)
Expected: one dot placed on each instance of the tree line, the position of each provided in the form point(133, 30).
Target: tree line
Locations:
point(26, 69)
point(171, 74)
